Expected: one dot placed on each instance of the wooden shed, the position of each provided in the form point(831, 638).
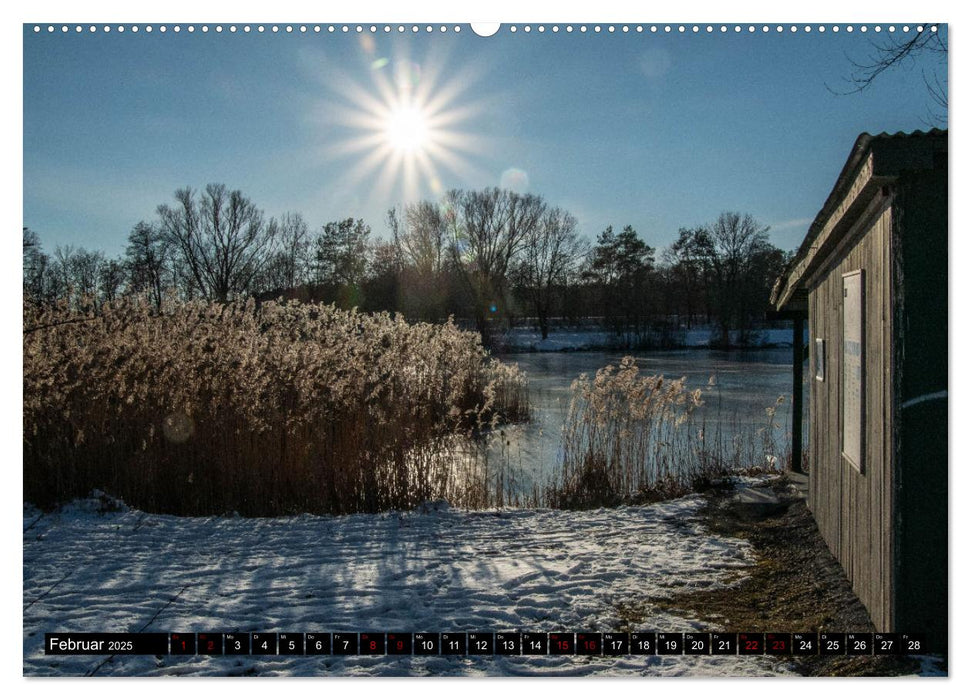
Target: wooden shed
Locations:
point(871, 276)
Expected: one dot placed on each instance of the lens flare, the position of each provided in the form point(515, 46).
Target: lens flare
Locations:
point(367, 43)
point(178, 427)
point(407, 75)
point(514, 179)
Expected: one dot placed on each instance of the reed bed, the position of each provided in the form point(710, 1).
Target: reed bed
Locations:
point(634, 438)
point(208, 408)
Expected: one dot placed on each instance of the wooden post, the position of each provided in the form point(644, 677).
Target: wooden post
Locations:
point(797, 356)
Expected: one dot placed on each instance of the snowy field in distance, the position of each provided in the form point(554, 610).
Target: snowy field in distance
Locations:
point(526, 339)
point(437, 570)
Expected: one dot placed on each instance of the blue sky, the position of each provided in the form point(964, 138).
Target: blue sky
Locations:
point(654, 130)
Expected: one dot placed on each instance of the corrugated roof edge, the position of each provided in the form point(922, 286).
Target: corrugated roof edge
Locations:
point(861, 148)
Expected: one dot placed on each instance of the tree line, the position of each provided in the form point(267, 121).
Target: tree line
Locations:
point(490, 257)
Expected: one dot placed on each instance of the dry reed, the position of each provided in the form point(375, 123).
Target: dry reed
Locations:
point(633, 438)
point(281, 408)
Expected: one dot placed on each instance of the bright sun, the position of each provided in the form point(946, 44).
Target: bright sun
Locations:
point(406, 129)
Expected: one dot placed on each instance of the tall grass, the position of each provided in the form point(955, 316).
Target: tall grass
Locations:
point(631, 438)
point(282, 408)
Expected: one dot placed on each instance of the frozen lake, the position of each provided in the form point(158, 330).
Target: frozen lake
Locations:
point(745, 383)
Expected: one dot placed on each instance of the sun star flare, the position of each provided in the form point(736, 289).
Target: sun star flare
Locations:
point(406, 131)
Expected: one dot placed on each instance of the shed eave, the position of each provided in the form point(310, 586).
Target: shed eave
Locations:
point(870, 166)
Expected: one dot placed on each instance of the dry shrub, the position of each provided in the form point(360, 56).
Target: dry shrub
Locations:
point(287, 407)
point(634, 438)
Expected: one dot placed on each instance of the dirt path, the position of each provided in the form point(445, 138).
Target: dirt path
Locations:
point(796, 585)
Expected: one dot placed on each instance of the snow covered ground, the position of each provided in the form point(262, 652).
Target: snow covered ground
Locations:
point(436, 569)
point(559, 340)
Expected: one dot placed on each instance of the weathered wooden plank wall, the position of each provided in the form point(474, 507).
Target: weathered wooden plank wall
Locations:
point(852, 507)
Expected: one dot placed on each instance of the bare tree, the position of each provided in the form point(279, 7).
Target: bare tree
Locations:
point(421, 236)
point(221, 238)
point(37, 268)
point(551, 252)
point(111, 278)
point(62, 283)
point(147, 259)
point(85, 265)
point(289, 263)
point(898, 50)
point(75, 274)
point(488, 228)
point(737, 242)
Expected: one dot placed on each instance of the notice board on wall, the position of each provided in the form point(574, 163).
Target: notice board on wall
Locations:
point(853, 368)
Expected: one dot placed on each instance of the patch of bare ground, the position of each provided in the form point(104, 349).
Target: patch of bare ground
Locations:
point(795, 585)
